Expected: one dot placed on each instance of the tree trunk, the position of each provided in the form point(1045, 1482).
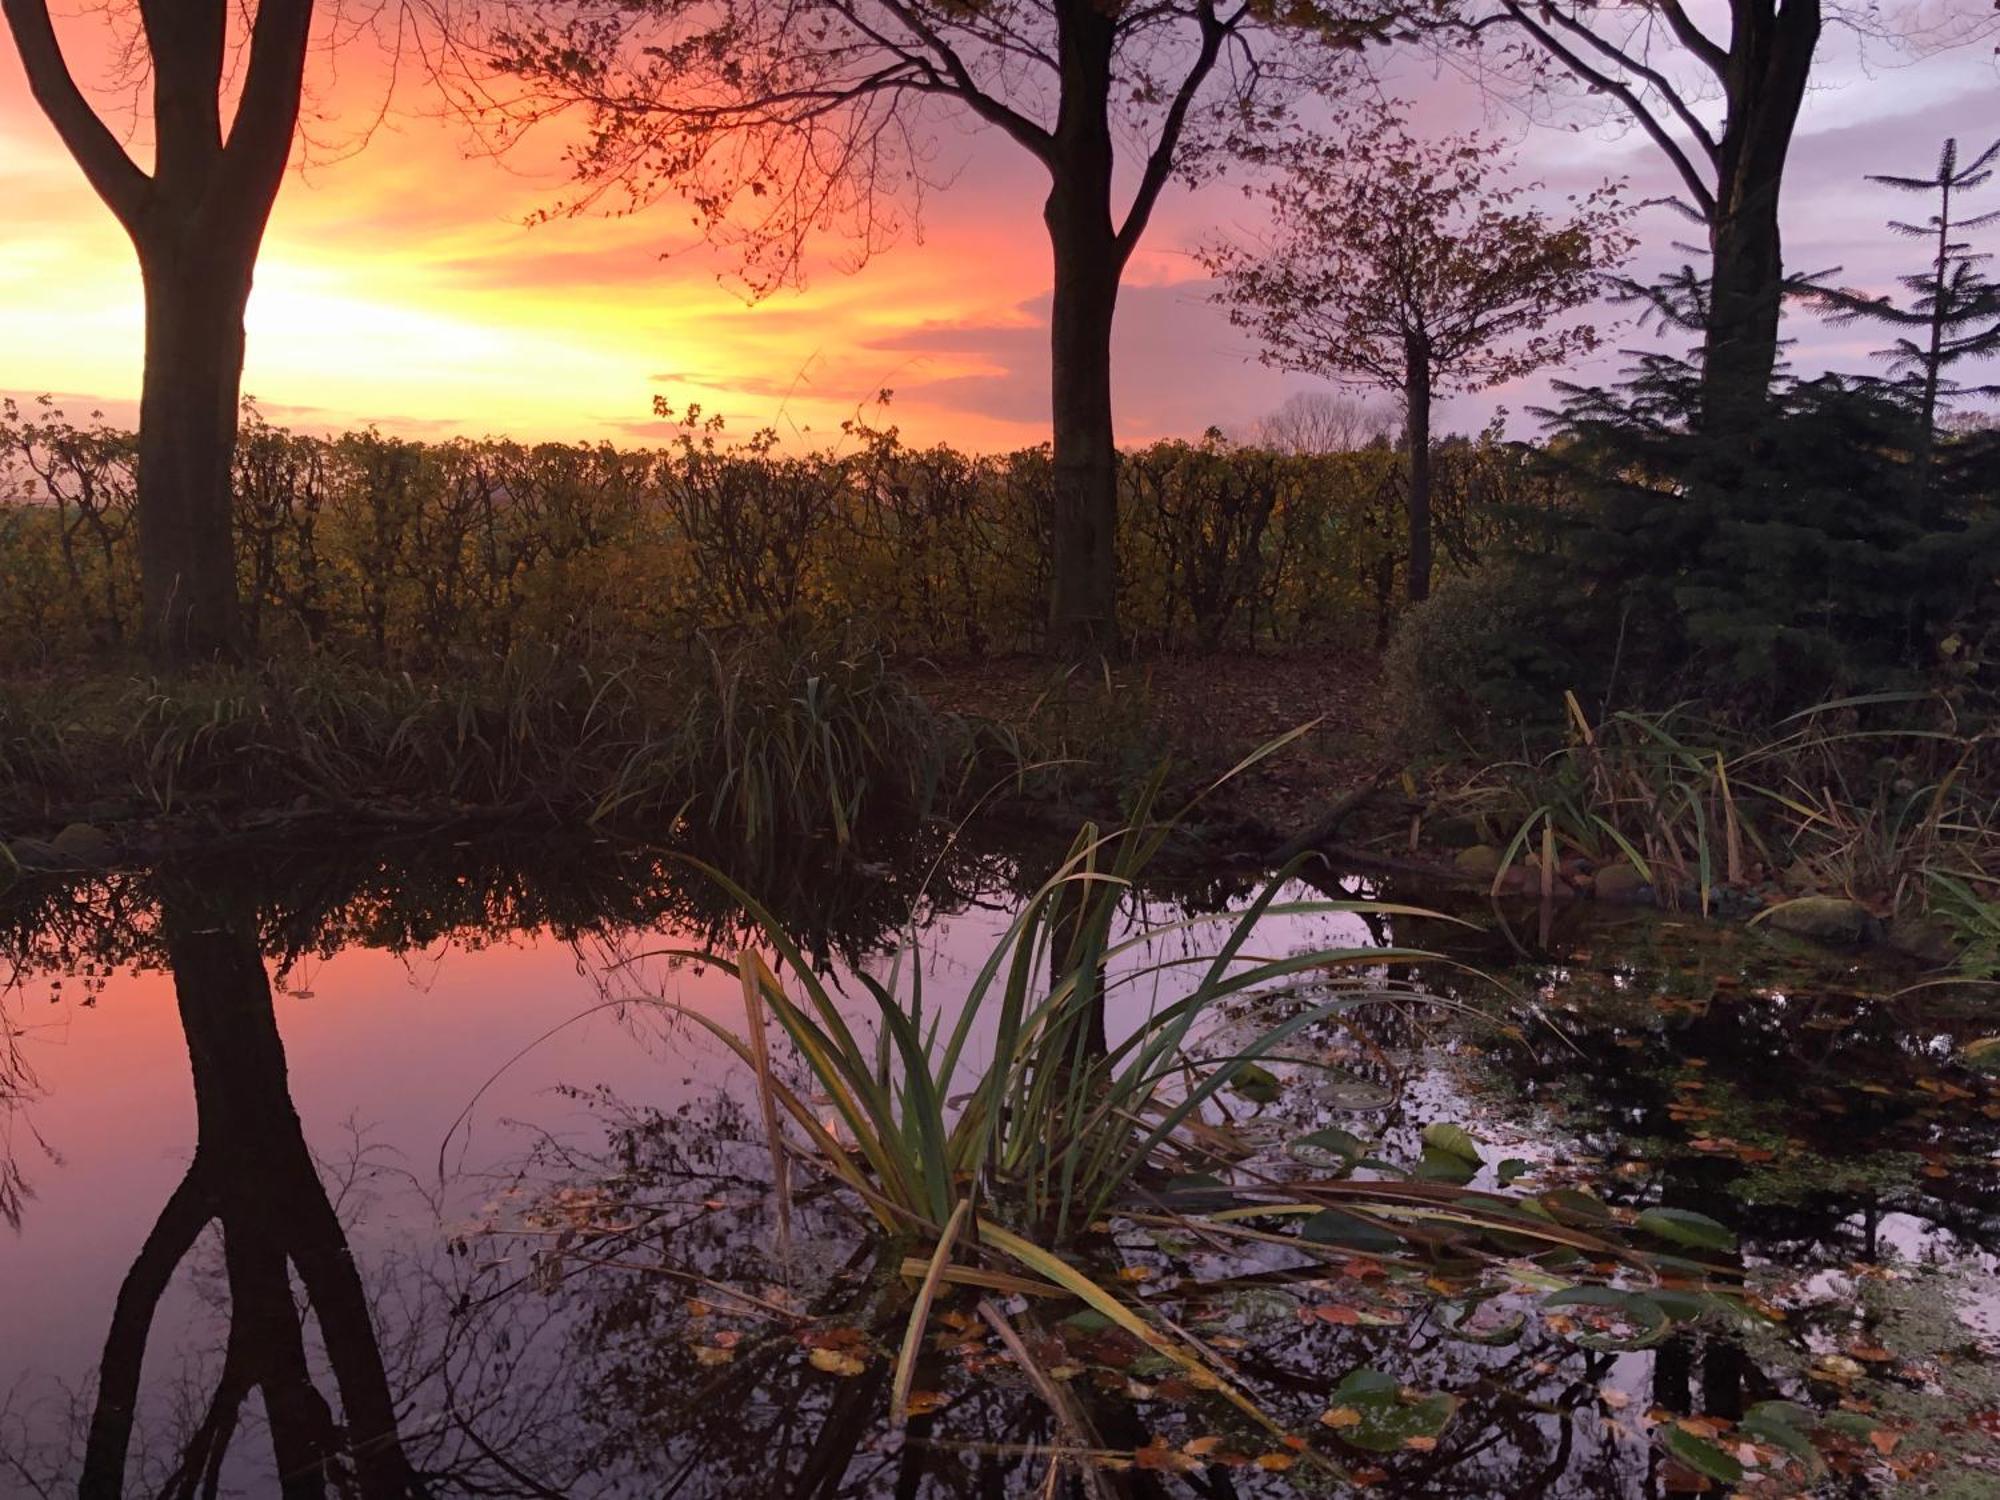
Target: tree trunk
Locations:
point(1083, 602)
point(1768, 62)
point(1746, 290)
point(187, 439)
point(196, 222)
point(1417, 425)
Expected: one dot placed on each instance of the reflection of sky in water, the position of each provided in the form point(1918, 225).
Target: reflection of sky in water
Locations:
point(468, 1054)
point(453, 1053)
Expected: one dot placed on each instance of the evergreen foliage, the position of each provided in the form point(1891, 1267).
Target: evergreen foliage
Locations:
point(1953, 312)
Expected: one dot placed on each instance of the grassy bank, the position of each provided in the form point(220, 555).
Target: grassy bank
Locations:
point(787, 737)
point(1857, 821)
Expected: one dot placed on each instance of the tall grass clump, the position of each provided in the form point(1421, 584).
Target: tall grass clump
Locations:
point(808, 733)
point(1058, 1120)
point(1875, 797)
point(1003, 1136)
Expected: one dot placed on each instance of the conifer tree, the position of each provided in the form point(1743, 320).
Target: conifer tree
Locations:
point(1953, 311)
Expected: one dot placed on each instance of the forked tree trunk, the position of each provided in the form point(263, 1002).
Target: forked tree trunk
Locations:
point(1764, 72)
point(253, 1176)
point(196, 221)
point(1083, 602)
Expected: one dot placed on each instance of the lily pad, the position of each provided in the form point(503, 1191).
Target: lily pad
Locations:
point(1331, 1147)
point(1682, 1226)
point(1372, 1411)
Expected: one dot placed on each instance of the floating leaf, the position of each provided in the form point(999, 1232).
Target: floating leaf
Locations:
point(1334, 1226)
point(1576, 1208)
point(1372, 1411)
point(1451, 1140)
point(1982, 1055)
point(836, 1361)
point(1330, 1147)
point(1087, 1320)
point(1258, 1085)
point(1700, 1454)
point(1355, 1095)
point(1784, 1424)
point(1682, 1226)
point(1195, 1182)
point(1445, 1166)
point(1512, 1168)
point(1504, 1333)
point(1647, 1319)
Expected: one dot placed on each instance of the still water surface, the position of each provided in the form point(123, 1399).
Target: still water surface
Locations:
point(383, 1174)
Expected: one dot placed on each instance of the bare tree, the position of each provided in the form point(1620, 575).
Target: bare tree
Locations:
point(197, 221)
point(1403, 264)
point(1721, 103)
point(1310, 422)
point(777, 119)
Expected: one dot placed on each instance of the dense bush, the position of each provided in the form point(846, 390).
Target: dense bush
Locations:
point(413, 555)
point(1484, 655)
point(1821, 554)
point(1830, 552)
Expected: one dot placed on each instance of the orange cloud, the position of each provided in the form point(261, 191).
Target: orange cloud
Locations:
point(400, 285)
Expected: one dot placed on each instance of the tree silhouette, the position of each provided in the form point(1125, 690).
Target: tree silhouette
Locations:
point(1954, 309)
point(777, 119)
point(197, 221)
point(1403, 264)
point(1721, 104)
point(254, 1176)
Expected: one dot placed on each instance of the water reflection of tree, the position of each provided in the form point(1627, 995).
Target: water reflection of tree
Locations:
point(651, 1416)
point(254, 1178)
point(570, 1369)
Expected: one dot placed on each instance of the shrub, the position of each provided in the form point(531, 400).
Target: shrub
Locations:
point(1483, 656)
point(1816, 557)
point(423, 556)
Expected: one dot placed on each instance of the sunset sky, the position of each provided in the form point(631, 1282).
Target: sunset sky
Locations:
point(400, 286)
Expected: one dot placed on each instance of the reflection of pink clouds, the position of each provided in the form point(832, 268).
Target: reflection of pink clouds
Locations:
point(403, 287)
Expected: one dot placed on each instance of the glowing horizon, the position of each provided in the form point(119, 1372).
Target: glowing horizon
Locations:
point(401, 287)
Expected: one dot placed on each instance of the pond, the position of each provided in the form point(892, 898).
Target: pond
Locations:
point(385, 1172)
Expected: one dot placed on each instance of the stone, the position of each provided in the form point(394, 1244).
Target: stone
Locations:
point(1479, 862)
point(1621, 883)
point(1824, 919)
point(1921, 938)
point(84, 844)
point(34, 854)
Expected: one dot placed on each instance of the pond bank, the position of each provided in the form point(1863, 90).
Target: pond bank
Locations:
point(820, 741)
